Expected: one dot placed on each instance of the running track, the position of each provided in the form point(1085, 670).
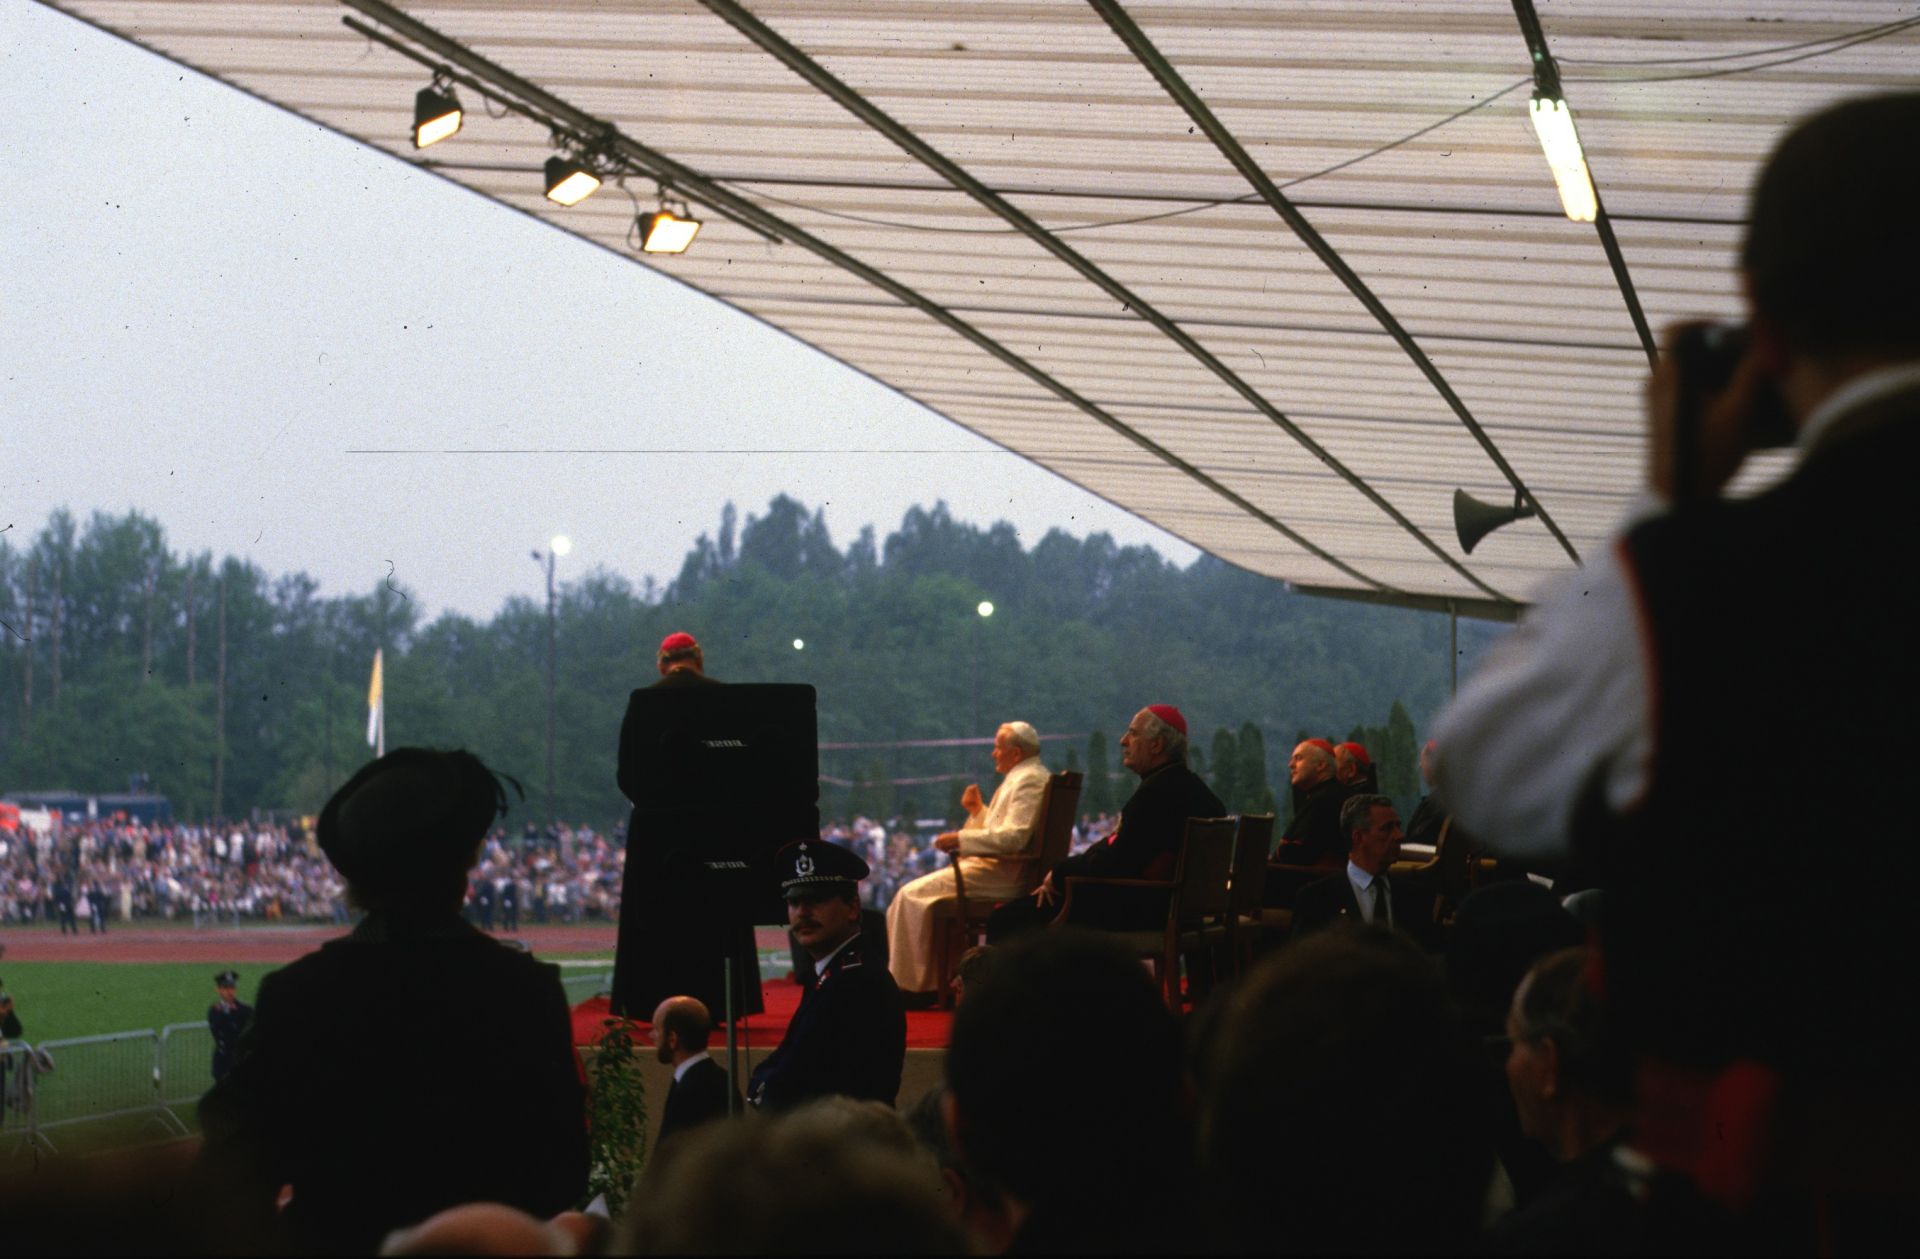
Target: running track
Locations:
point(256, 944)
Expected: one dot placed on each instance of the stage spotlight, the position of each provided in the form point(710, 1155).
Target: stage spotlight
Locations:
point(569, 182)
point(436, 115)
point(1553, 123)
point(667, 233)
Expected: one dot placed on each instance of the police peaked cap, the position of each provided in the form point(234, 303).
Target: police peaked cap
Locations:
point(227, 979)
point(814, 863)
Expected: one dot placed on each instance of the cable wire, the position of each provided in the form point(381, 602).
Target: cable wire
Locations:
point(1888, 28)
point(1732, 70)
point(1244, 199)
point(1820, 47)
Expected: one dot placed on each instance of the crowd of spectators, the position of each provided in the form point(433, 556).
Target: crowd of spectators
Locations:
point(86, 876)
point(901, 850)
point(90, 874)
point(568, 874)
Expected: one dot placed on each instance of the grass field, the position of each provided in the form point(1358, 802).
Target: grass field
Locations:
point(59, 1000)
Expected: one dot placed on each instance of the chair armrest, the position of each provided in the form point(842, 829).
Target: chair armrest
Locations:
point(959, 881)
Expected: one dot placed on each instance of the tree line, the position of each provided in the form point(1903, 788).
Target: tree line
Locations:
point(230, 689)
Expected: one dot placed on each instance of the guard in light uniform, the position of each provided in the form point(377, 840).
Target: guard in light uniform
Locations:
point(226, 1019)
point(850, 1034)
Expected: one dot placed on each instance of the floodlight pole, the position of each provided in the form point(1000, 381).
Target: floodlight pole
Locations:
point(1453, 645)
point(552, 720)
point(552, 710)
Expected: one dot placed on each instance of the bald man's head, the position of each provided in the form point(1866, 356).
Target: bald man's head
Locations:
point(482, 1228)
point(1310, 765)
point(681, 1027)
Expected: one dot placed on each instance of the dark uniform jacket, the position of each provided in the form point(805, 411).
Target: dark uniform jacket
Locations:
point(848, 1037)
point(695, 1098)
point(400, 1070)
point(226, 1023)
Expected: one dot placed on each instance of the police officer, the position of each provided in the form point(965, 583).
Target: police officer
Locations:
point(850, 1034)
point(226, 1019)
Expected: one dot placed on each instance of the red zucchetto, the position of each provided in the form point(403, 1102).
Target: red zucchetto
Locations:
point(1169, 714)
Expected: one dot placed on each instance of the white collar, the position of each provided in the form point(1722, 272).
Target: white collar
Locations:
point(683, 1068)
point(1358, 877)
point(820, 967)
point(1856, 393)
point(1863, 389)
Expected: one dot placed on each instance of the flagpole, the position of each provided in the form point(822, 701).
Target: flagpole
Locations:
point(377, 706)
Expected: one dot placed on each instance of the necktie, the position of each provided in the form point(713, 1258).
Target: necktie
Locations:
point(1382, 916)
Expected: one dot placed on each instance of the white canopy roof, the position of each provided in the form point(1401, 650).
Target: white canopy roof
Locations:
point(1044, 221)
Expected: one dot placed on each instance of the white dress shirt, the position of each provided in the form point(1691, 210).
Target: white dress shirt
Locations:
point(1567, 690)
point(683, 1068)
point(1376, 903)
point(820, 964)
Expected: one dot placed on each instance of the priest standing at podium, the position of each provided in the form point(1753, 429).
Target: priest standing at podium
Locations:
point(675, 942)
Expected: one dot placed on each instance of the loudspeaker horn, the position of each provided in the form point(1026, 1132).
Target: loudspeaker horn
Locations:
point(1474, 520)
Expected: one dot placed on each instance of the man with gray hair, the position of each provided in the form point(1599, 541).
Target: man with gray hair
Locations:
point(1146, 844)
point(1362, 894)
point(990, 849)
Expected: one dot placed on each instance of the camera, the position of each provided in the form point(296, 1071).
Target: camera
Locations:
point(1706, 356)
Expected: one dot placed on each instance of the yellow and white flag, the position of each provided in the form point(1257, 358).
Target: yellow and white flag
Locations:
point(376, 710)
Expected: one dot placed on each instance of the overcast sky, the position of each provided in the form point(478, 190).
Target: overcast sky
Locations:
point(207, 305)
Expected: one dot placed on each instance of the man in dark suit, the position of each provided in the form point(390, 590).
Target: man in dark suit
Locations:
point(701, 1091)
point(849, 1036)
point(675, 941)
point(1145, 845)
point(1362, 894)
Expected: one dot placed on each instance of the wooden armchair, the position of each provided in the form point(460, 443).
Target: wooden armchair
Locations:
point(1247, 888)
point(1197, 899)
point(959, 923)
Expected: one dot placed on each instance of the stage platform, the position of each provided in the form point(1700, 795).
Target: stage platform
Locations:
point(926, 1046)
point(926, 1029)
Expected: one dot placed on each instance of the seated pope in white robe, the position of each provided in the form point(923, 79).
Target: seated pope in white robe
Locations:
point(991, 847)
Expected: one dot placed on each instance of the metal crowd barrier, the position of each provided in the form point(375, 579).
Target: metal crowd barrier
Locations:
point(183, 1068)
point(19, 1076)
point(103, 1092)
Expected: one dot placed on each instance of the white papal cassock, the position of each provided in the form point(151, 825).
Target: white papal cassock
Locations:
point(994, 872)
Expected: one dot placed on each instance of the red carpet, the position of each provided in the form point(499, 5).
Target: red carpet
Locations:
point(926, 1029)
